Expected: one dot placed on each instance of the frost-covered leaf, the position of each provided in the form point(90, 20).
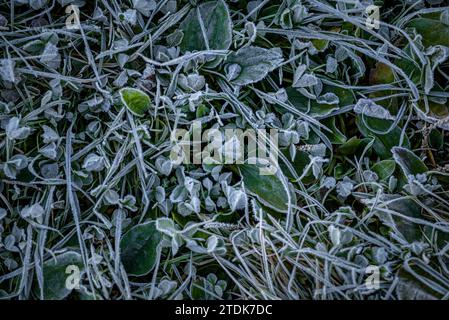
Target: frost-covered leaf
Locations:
point(56, 272)
point(384, 169)
point(427, 28)
point(49, 151)
point(7, 70)
point(417, 282)
point(371, 109)
point(252, 64)
point(408, 161)
point(135, 100)
point(50, 56)
point(16, 132)
point(139, 248)
point(93, 162)
point(144, 6)
point(385, 136)
point(268, 189)
point(216, 24)
point(38, 4)
point(35, 211)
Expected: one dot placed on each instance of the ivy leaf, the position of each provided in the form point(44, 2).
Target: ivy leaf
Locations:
point(137, 101)
point(268, 189)
point(408, 161)
point(139, 248)
point(217, 27)
point(56, 274)
point(252, 64)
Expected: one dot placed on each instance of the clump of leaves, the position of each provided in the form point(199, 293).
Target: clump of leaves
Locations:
point(93, 207)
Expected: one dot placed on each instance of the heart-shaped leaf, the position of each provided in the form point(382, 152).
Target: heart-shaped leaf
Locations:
point(139, 248)
point(137, 101)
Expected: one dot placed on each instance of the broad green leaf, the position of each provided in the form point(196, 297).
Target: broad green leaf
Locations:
point(137, 101)
point(251, 64)
point(407, 207)
point(384, 169)
point(268, 189)
point(433, 32)
point(409, 162)
point(383, 143)
point(139, 248)
point(56, 273)
point(217, 27)
point(420, 282)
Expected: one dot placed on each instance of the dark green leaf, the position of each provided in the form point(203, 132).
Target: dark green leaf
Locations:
point(417, 282)
point(433, 32)
point(139, 248)
point(217, 26)
point(268, 188)
point(384, 169)
point(56, 274)
point(407, 207)
point(408, 161)
point(383, 143)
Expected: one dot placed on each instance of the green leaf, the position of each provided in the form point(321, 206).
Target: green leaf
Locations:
point(407, 207)
point(55, 275)
point(217, 26)
point(268, 189)
point(139, 248)
point(383, 143)
point(408, 161)
point(137, 101)
point(384, 169)
point(252, 64)
point(433, 32)
point(436, 139)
